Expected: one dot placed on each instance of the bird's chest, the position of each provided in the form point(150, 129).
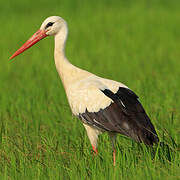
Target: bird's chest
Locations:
point(84, 97)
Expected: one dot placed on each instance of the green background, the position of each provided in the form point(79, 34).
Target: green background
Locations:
point(134, 42)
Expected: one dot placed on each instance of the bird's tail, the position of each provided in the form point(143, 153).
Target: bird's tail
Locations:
point(148, 136)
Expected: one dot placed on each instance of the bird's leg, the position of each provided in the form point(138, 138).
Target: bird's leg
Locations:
point(113, 140)
point(93, 137)
point(114, 157)
point(95, 150)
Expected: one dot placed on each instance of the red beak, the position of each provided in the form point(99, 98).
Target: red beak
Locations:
point(40, 34)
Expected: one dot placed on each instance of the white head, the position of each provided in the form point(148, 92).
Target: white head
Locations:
point(51, 26)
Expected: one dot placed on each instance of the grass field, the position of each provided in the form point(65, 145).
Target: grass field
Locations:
point(134, 42)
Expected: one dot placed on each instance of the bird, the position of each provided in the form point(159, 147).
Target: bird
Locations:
point(102, 105)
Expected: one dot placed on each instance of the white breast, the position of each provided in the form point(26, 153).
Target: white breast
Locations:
point(87, 94)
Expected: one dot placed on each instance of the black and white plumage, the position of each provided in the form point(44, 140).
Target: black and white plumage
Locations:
point(101, 104)
point(125, 115)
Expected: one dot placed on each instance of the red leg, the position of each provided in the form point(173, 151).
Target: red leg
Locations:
point(114, 157)
point(95, 150)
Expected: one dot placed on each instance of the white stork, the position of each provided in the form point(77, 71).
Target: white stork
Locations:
point(102, 105)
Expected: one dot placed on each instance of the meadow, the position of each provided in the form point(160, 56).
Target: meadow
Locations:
point(136, 42)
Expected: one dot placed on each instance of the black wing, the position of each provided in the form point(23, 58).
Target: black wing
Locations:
point(125, 115)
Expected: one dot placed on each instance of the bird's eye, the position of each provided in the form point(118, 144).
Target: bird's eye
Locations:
point(49, 24)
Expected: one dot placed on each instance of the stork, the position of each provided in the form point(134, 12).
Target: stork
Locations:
point(102, 105)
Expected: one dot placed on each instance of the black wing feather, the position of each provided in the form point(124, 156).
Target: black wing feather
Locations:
point(125, 115)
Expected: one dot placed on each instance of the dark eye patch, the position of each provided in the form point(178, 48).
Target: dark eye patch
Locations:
point(49, 24)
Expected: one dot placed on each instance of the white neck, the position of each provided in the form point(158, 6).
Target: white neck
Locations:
point(67, 72)
point(60, 42)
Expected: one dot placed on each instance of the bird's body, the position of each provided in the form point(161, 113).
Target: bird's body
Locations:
point(102, 105)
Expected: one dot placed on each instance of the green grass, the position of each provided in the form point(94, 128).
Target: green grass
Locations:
point(134, 42)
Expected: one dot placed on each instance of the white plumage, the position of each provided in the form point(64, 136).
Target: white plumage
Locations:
point(86, 94)
point(101, 104)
